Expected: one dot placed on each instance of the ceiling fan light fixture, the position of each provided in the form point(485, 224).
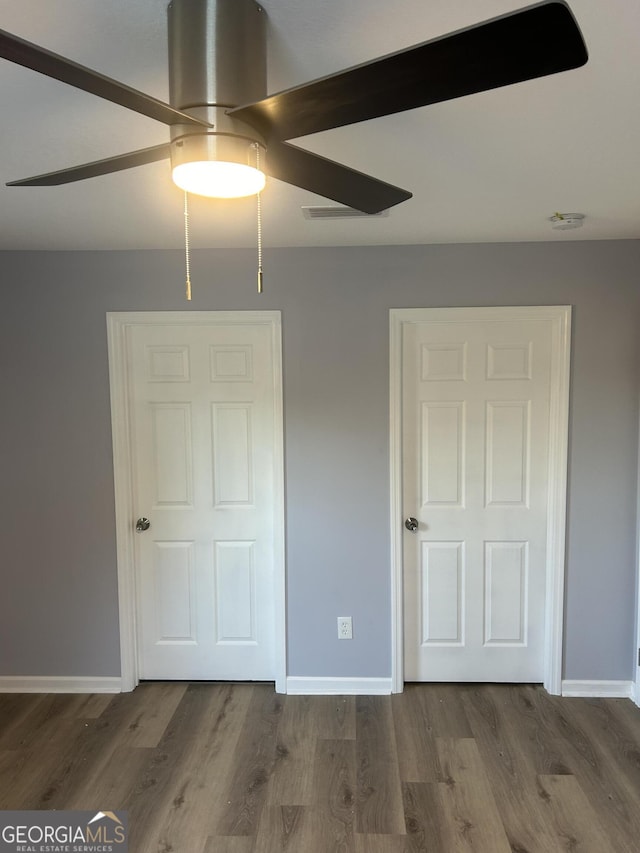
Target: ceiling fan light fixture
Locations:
point(218, 94)
point(219, 178)
point(218, 165)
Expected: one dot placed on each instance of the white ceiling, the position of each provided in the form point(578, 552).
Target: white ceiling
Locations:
point(485, 168)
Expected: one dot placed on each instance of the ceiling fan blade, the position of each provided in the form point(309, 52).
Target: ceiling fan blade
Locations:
point(532, 42)
point(332, 180)
point(98, 167)
point(52, 65)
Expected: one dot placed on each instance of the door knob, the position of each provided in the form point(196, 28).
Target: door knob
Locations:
point(411, 523)
point(142, 524)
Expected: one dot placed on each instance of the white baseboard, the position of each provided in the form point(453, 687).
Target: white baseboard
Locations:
point(298, 685)
point(304, 686)
point(54, 684)
point(600, 689)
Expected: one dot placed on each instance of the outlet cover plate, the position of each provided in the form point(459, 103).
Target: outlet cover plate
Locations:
point(345, 628)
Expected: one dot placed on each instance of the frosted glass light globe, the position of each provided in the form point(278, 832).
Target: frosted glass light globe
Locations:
point(218, 179)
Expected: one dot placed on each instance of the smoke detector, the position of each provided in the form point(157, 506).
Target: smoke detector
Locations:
point(566, 221)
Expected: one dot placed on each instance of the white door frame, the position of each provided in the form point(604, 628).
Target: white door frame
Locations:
point(560, 316)
point(117, 325)
point(636, 648)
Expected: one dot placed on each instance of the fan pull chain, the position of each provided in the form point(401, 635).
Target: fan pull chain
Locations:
point(259, 208)
point(187, 258)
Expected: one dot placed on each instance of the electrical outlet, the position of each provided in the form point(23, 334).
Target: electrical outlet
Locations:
point(345, 628)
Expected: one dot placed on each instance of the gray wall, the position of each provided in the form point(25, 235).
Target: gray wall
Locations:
point(58, 600)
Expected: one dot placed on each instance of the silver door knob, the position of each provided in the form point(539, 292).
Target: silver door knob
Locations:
point(411, 523)
point(142, 524)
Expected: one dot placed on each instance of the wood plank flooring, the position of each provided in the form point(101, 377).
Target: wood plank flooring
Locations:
point(236, 768)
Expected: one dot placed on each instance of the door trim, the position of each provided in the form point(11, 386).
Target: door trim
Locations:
point(117, 325)
point(636, 648)
point(560, 317)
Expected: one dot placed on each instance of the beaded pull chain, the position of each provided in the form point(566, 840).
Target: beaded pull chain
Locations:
point(187, 257)
point(186, 247)
point(259, 208)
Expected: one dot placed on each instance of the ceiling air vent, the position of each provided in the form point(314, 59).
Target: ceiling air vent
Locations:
point(338, 212)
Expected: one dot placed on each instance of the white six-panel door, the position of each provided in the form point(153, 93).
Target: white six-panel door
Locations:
point(203, 416)
point(476, 399)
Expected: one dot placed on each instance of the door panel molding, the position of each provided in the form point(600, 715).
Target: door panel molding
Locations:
point(560, 317)
point(117, 326)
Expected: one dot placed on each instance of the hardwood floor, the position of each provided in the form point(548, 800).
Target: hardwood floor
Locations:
point(235, 768)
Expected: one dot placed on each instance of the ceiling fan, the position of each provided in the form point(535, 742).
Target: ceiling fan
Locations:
point(220, 115)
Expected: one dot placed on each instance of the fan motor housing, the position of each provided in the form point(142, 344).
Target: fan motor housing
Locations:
point(217, 60)
point(217, 53)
